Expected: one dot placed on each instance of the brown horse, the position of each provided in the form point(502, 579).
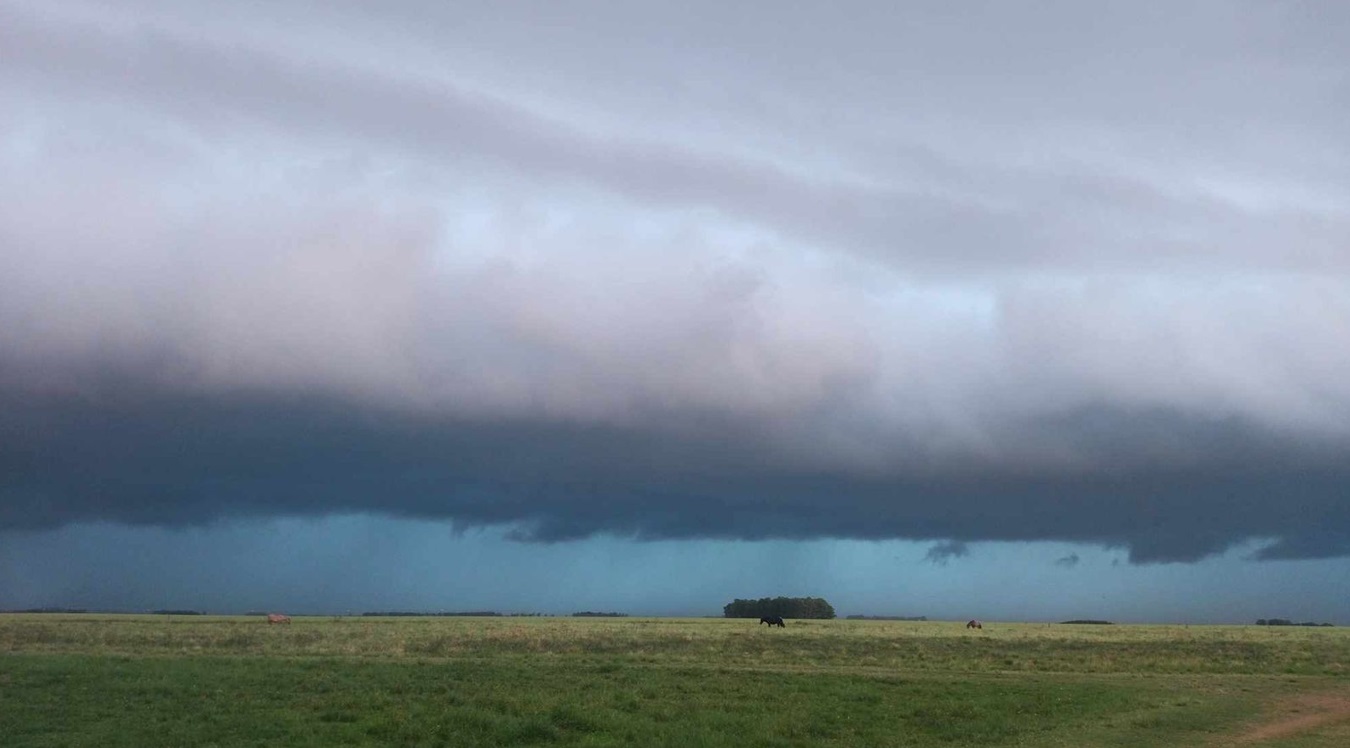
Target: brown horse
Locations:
point(974, 625)
point(277, 618)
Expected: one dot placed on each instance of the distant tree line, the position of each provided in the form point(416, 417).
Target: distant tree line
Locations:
point(51, 610)
point(596, 614)
point(411, 613)
point(1090, 621)
point(179, 612)
point(1286, 622)
point(785, 607)
point(856, 617)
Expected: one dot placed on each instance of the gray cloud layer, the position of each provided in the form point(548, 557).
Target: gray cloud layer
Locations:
point(1061, 273)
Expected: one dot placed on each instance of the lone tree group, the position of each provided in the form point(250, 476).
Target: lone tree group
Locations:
point(781, 607)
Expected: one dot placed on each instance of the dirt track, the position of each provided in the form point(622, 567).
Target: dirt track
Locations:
point(1296, 715)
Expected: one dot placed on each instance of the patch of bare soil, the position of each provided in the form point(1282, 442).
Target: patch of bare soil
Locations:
point(1297, 715)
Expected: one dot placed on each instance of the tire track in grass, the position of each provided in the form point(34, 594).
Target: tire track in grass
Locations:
point(1295, 716)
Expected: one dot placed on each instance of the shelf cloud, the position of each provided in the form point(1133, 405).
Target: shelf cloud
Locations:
point(941, 274)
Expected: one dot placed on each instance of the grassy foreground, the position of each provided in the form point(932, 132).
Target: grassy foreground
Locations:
point(145, 681)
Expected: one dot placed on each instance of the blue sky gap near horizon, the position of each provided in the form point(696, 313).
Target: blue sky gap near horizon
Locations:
point(1012, 308)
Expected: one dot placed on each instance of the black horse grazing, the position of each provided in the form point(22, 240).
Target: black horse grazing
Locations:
point(974, 625)
point(773, 621)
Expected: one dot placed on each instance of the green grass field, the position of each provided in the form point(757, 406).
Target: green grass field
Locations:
point(155, 680)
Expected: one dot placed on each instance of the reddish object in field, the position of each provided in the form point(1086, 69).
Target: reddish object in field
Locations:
point(278, 618)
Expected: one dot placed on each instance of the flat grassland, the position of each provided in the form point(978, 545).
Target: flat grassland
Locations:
point(114, 680)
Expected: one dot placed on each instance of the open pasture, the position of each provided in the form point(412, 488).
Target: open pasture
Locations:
point(197, 680)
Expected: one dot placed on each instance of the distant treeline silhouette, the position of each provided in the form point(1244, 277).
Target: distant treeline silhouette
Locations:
point(856, 617)
point(415, 613)
point(51, 610)
point(178, 612)
point(1286, 622)
point(1089, 621)
point(594, 614)
point(784, 607)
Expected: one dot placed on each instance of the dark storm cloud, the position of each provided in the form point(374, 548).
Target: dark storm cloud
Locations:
point(143, 458)
point(1067, 562)
point(989, 273)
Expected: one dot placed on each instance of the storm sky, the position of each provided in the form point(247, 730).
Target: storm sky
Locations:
point(706, 300)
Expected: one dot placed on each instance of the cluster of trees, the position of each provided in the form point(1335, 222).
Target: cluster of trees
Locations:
point(592, 614)
point(1089, 621)
point(1285, 622)
point(785, 607)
